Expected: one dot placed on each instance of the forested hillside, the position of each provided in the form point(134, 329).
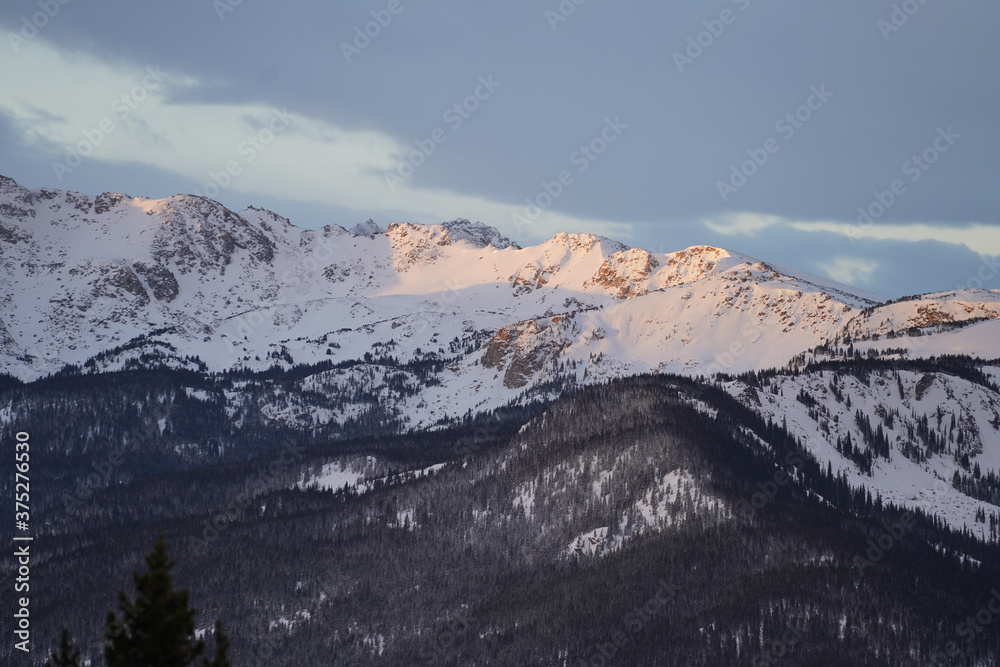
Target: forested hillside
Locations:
point(652, 521)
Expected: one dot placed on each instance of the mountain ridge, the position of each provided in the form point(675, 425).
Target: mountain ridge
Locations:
point(186, 277)
point(574, 408)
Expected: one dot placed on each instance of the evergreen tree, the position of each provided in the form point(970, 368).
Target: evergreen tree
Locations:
point(65, 655)
point(221, 658)
point(158, 629)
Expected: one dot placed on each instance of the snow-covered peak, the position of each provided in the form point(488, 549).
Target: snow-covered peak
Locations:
point(9, 188)
point(585, 243)
point(626, 273)
point(477, 233)
point(413, 245)
point(695, 263)
point(265, 218)
point(366, 228)
point(89, 274)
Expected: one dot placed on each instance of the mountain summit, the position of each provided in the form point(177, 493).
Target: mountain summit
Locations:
point(100, 282)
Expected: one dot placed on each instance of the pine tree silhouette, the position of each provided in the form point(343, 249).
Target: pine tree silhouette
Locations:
point(65, 655)
point(221, 658)
point(158, 629)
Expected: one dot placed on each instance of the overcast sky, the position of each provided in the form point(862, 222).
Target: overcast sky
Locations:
point(757, 126)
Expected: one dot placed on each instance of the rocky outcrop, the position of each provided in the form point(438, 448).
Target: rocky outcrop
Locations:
point(524, 349)
point(415, 244)
point(201, 235)
point(585, 243)
point(367, 228)
point(532, 276)
point(123, 278)
point(106, 280)
point(476, 233)
point(106, 201)
point(7, 235)
point(626, 273)
point(16, 203)
point(929, 311)
point(160, 279)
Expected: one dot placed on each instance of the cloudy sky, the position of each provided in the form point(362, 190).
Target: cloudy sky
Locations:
point(854, 139)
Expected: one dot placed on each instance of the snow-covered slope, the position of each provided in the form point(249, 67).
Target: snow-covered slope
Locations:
point(109, 282)
point(933, 428)
point(425, 324)
point(944, 310)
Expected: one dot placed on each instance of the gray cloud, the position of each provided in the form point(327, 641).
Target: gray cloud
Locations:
point(687, 129)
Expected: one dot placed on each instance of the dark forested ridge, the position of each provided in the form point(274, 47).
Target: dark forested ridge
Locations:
point(649, 521)
point(106, 429)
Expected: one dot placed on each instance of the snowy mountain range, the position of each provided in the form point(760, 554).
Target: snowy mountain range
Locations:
point(423, 401)
point(443, 321)
point(83, 275)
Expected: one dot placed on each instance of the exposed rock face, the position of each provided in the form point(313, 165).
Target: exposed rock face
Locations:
point(7, 235)
point(16, 204)
point(532, 276)
point(105, 280)
point(499, 348)
point(7, 344)
point(336, 274)
point(930, 315)
point(199, 234)
point(925, 383)
point(106, 201)
point(525, 348)
point(626, 273)
point(476, 233)
point(124, 279)
point(415, 244)
point(586, 242)
point(927, 311)
point(691, 264)
point(160, 280)
point(367, 228)
point(421, 244)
